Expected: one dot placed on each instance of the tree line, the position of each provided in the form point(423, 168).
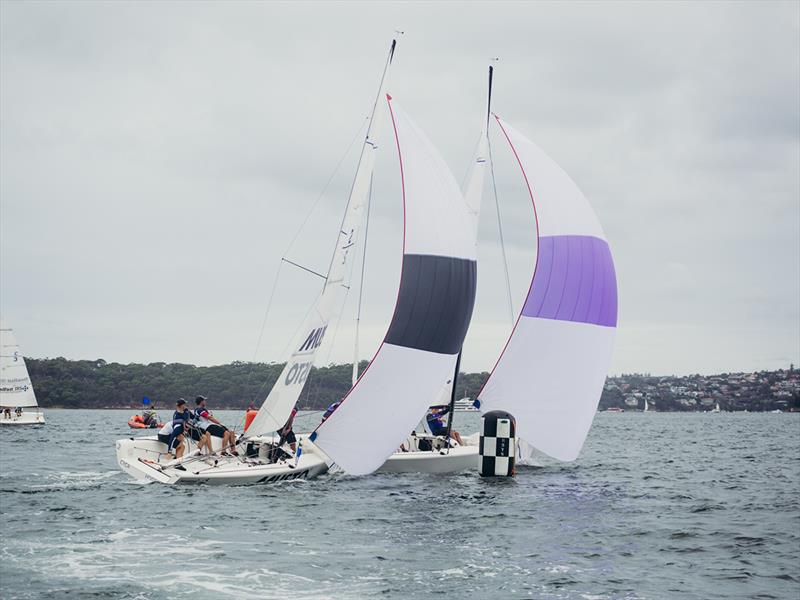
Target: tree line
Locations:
point(62, 383)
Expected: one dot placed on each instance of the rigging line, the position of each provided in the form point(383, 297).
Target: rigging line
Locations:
point(367, 144)
point(361, 281)
point(500, 230)
point(471, 165)
point(308, 391)
point(326, 186)
point(328, 356)
point(299, 231)
point(288, 345)
point(313, 272)
point(266, 311)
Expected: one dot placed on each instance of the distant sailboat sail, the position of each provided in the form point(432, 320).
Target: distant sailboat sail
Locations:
point(431, 317)
point(287, 389)
point(16, 389)
point(552, 370)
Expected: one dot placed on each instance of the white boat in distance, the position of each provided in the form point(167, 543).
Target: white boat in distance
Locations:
point(465, 405)
point(18, 405)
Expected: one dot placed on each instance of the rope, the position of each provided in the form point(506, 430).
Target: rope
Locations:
point(299, 231)
point(361, 279)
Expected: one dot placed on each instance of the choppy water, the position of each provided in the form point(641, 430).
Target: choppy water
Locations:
point(658, 506)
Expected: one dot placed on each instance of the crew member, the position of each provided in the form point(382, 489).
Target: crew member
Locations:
point(171, 434)
point(286, 433)
point(437, 426)
point(182, 413)
point(212, 426)
point(330, 410)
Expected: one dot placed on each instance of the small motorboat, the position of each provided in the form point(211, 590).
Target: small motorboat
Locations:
point(138, 422)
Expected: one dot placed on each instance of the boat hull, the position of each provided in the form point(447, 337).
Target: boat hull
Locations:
point(144, 459)
point(26, 418)
point(454, 460)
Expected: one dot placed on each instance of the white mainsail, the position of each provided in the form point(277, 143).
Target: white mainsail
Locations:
point(16, 388)
point(284, 394)
point(431, 317)
point(552, 370)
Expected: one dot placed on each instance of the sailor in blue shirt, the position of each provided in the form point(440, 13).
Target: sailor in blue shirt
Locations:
point(182, 413)
point(331, 409)
point(436, 424)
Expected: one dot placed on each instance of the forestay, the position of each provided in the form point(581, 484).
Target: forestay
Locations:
point(16, 388)
point(551, 373)
point(284, 394)
point(431, 317)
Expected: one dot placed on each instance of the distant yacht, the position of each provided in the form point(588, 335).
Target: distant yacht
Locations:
point(615, 409)
point(716, 408)
point(465, 405)
point(16, 389)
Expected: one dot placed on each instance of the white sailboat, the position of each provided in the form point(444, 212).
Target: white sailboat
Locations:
point(144, 458)
point(552, 370)
point(18, 405)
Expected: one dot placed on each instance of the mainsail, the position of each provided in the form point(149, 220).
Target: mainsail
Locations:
point(16, 388)
point(431, 317)
point(552, 370)
point(284, 394)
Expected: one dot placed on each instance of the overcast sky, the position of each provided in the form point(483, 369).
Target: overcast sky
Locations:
point(156, 160)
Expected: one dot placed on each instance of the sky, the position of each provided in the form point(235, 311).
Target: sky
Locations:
point(158, 159)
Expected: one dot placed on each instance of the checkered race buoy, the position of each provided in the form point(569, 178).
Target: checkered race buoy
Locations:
point(497, 444)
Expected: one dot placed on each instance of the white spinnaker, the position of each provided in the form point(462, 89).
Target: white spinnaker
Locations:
point(551, 373)
point(16, 388)
point(283, 396)
point(401, 382)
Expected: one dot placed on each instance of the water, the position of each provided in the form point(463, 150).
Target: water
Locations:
point(658, 506)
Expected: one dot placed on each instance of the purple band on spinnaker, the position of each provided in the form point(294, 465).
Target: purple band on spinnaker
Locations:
point(574, 281)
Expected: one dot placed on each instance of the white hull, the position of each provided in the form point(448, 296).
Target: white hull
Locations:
point(144, 459)
point(439, 460)
point(28, 417)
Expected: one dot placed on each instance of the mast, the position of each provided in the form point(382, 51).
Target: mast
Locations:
point(497, 202)
point(370, 144)
point(473, 194)
point(453, 399)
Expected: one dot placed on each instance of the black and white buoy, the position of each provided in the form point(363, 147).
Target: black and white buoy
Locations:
point(497, 444)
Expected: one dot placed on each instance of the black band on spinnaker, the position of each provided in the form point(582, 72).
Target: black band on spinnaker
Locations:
point(434, 306)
